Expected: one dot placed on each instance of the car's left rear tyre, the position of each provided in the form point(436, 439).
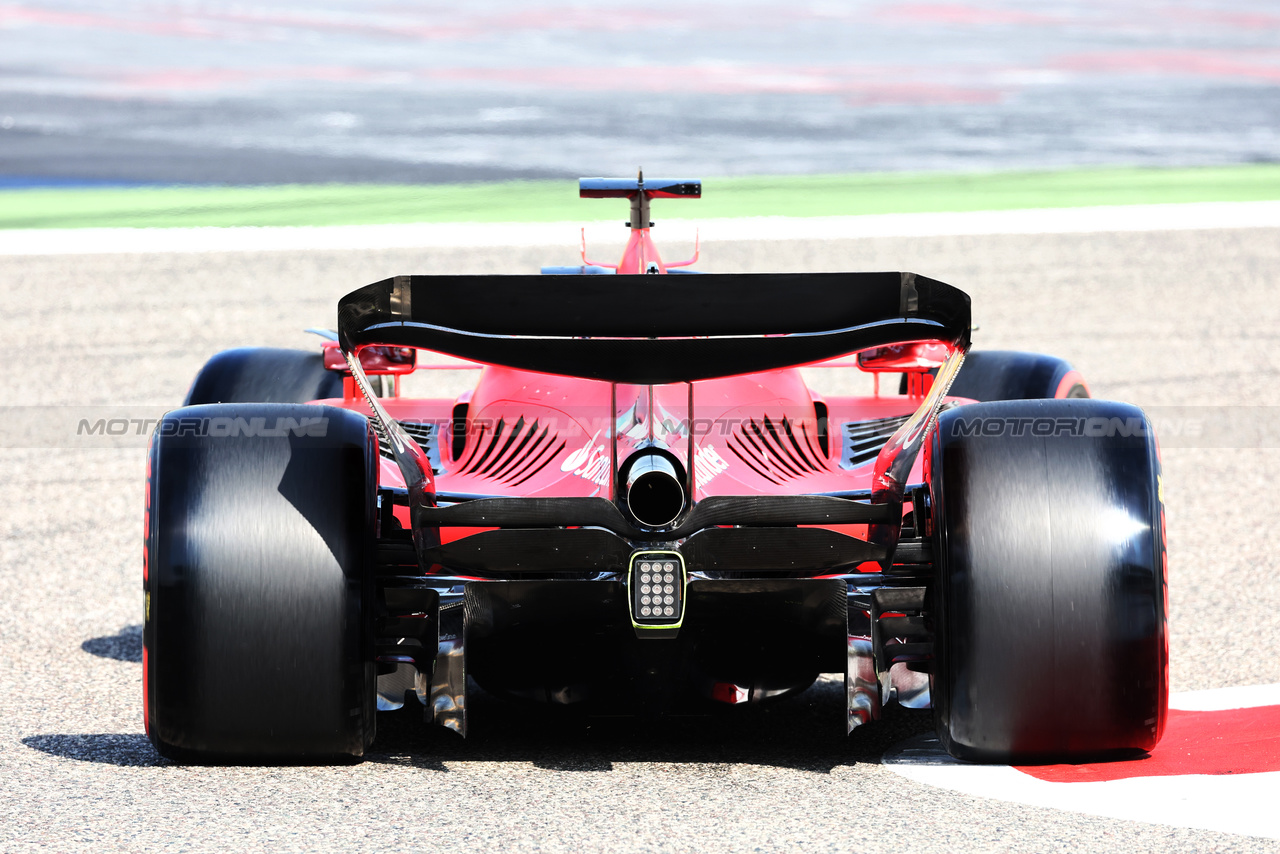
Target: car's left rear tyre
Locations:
point(264, 375)
point(257, 640)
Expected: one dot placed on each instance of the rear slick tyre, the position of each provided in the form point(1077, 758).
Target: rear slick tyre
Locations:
point(990, 375)
point(257, 639)
point(264, 375)
point(1051, 639)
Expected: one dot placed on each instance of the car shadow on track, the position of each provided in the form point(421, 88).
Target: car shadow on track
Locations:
point(801, 733)
point(125, 645)
point(805, 732)
point(128, 750)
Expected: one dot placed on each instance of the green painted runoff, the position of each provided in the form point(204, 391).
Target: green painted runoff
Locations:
point(555, 201)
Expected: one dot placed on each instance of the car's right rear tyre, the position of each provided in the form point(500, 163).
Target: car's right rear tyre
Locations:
point(257, 641)
point(1051, 640)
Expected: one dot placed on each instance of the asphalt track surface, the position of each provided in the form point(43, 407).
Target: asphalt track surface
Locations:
point(1158, 318)
point(307, 91)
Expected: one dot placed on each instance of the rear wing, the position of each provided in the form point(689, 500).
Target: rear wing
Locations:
point(622, 188)
point(661, 330)
point(639, 193)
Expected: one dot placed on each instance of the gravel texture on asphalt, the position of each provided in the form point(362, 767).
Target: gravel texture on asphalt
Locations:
point(1160, 319)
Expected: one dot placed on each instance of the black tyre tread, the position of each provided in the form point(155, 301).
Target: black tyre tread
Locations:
point(264, 375)
point(257, 634)
point(1051, 632)
point(990, 375)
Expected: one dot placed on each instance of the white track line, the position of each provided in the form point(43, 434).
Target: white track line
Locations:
point(1197, 215)
point(1239, 803)
point(1217, 699)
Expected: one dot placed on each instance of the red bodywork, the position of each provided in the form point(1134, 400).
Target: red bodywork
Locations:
point(534, 434)
point(523, 434)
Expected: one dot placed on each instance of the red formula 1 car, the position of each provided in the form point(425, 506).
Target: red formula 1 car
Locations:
point(642, 506)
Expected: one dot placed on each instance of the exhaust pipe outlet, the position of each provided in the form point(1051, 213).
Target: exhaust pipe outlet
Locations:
point(655, 495)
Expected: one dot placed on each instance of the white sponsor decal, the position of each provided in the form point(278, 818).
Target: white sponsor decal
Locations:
point(591, 461)
point(707, 464)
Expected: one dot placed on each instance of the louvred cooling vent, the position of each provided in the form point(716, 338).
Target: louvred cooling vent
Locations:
point(510, 454)
point(864, 439)
point(426, 435)
point(778, 451)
